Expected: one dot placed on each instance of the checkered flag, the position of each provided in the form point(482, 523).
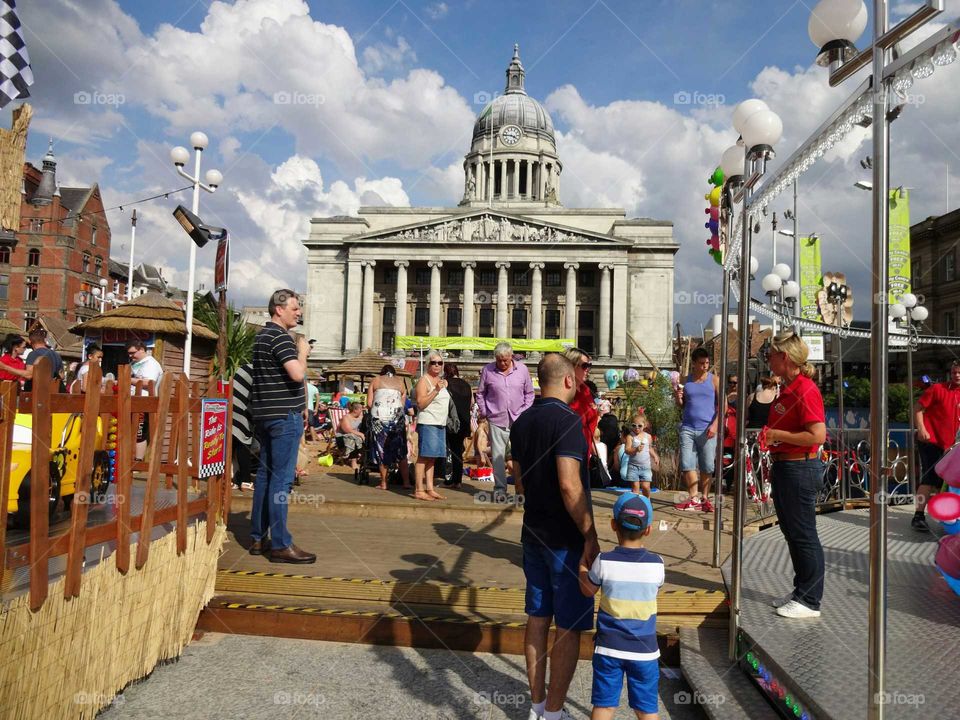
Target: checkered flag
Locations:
point(15, 72)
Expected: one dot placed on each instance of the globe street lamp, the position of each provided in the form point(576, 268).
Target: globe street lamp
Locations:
point(909, 316)
point(180, 156)
point(105, 297)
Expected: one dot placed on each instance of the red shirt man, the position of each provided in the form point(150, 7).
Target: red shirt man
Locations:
point(937, 416)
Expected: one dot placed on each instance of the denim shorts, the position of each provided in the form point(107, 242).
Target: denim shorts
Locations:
point(553, 586)
point(432, 441)
point(697, 451)
point(643, 678)
point(635, 473)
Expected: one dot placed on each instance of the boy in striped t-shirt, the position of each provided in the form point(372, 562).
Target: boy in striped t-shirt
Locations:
point(626, 640)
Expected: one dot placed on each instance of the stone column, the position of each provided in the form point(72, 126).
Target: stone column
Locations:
point(620, 311)
point(502, 307)
point(536, 301)
point(366, 339)
point(516, 178)
point(541, 179)
point(503, 179)
point(400, 327)
point(351, 315)
point(604, 349)
point(570, 326)
point(468, 302)
point(435, 266)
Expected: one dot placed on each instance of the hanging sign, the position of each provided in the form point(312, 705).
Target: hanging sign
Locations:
point(221, 268)
point(898, 273)
point(810, 279)
point(213, 423)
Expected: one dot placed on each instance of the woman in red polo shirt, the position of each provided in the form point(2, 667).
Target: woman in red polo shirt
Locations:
point(12, 366)
point(795, 432)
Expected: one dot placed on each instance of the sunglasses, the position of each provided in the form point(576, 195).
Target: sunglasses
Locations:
point(586, 366)
point(436, 362)
point(637, 426)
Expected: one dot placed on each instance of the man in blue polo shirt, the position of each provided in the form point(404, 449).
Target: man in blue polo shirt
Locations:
point(549, 457)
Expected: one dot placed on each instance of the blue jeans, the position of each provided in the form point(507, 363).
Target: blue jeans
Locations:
point(279, 441)
point(795, 484)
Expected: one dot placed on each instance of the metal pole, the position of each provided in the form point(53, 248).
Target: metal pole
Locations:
point(743, 357)
point(222, 335)
point(877, 615)
point(841, 423)
point(796, 251)
point(191, 276)
point(133, 241)
point(721, 426)
point(911, 441)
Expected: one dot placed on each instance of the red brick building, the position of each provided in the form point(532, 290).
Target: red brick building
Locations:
point(60, 253)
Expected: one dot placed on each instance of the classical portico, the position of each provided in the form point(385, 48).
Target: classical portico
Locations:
point(509, 262)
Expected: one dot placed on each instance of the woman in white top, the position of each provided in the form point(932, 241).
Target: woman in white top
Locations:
point(386, 398)
point(433, 401)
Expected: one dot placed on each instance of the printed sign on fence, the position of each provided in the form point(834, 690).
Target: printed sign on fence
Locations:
point(213, 422)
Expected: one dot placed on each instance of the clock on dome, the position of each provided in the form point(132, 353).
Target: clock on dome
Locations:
point(511, 134)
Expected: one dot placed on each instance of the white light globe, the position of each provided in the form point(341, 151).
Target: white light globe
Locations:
point(897, 311)
point(213, 178)
point(782, 271)
point(199, 140)
point(791, 289)
point(762, 128)
point(919, 313)
point(731, 162)
point(837, 20)
point(909, 300)
point(771, 283)
point(95, 291)
point(179, 155)
point(754, 265)
point(744, 110)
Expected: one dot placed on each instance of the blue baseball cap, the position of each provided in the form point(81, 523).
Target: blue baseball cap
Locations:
point(633, 512)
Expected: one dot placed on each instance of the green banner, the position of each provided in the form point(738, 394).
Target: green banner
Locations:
point(898, 273)
point(410, 342)
point(811, 278)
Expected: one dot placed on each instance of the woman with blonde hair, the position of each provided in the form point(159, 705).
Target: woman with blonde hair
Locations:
point(433, 402)
point(583, 403)
point(794, 434)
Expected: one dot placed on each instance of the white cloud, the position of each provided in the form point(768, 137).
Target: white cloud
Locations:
point(380, 57)
point(437, 10)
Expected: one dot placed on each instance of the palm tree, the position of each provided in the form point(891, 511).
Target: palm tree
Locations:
point(240, 335)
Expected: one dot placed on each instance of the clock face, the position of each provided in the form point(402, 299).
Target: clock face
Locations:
point(510, 135)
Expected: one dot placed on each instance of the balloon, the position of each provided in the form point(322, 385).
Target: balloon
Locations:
point(948, 556)
point(344, 401)
point(665, 374)
point(645, 383)
point(713, 212)
point(944, 507)
point(718, 258)
point(631, 374)
point(674, 378)
point(612, 378)
point(714, 197)
point(714, 242)
point(716, 178)
point(713, 226)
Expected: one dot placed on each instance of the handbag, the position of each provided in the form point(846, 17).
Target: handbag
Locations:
point(599, 475)
point(453, 419)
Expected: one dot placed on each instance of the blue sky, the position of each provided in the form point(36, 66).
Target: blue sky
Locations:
point(396, 85)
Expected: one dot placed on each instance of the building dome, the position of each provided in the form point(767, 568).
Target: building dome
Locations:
point(515, 107)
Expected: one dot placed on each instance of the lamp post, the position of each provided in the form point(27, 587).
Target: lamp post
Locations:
point(104, 296)
point(760, 129)
point(782, 292)
point(133, 240)
point(180, 156)
point(908, 316)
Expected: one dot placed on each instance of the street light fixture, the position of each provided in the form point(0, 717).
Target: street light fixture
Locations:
point(180, 155)
point(834, 27)
point(104, 296)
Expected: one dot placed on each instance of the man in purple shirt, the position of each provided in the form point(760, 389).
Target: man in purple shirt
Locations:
point(505, 391)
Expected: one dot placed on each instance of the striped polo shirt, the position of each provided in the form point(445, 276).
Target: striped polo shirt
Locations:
point(242, 423)
point(629, 579)
point(274, 394)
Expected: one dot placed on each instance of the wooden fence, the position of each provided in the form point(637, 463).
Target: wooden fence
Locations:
point(174, 409)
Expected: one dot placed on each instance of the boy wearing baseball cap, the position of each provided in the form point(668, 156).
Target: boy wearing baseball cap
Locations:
point(626, 639)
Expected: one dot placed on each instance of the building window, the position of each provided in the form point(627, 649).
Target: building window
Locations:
point(454, 320)
point(4, 254)
point(33, 257)
point(915, 272)
point(390, 276)
point(36, 225)
point(950, 266)
point(551, 324)
point(86, 263)
point(31, 287)
point(949, 323)
point(486, 277)
point(455, 277)
point(519, 323)
point(421, 318)
point(585, 330)
point(99, 263)
point(93, 235)
point(521, 278)
point(389, 328)
point(116, 287)
point(587, 278)
point(486, 322)
point(552, 278)
point(422, 276)
point(29, 318)
point(4, 286)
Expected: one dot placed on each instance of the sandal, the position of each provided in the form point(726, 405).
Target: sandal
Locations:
point(421, 496)
point(434, 495)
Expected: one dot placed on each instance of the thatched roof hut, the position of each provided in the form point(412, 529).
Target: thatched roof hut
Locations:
point(362, 367)
point(157, 321)
point(9, 328)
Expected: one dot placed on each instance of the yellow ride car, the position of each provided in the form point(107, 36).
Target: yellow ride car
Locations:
point(64, 458)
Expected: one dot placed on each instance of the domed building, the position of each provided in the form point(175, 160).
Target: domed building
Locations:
point(509, 262)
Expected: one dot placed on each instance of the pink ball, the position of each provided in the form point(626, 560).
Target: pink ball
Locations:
point(944, 507)
point(948, 555)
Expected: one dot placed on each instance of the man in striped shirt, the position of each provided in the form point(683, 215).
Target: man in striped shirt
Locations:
point(277, 403)
point(626, 640)
point(242, 425)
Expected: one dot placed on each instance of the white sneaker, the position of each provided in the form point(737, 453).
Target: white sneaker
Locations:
point(564, 715)
point(794, 609)
point(533, 715)
point(781, 601)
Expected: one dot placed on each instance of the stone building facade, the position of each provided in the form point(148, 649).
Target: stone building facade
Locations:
point(509, 262)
